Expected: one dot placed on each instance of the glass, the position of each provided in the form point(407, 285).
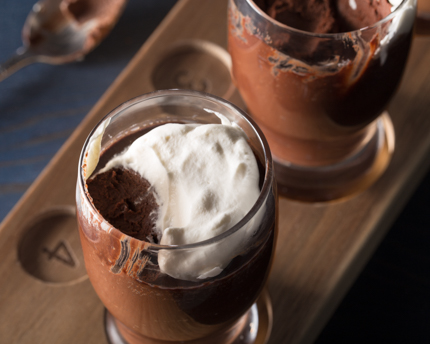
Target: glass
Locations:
point(145, 305)
point(320, 98)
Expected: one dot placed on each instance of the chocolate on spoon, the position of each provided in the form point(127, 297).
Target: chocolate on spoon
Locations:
point(62, 31)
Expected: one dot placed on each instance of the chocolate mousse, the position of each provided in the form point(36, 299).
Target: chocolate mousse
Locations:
point(313, 89)
point(50, 23)
point(149, 305)
point(126, 201)
point(326, 16)
point(98, 16)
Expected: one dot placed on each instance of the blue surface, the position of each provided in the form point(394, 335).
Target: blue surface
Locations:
point(41, 105)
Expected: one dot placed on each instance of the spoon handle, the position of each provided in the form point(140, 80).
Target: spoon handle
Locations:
point(21, 58)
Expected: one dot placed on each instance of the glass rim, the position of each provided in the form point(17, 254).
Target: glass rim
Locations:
point(258, 10)
point(267, 164)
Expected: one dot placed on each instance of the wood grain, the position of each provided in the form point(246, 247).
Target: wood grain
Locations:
point(321, 247)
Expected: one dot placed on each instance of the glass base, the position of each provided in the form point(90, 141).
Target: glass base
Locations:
point(256, 330)
point(341, 180)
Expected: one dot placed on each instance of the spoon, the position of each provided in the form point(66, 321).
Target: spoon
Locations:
point(62, 31)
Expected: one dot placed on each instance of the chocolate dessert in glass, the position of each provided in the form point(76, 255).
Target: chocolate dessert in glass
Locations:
point(317, 77)
point(177, 209)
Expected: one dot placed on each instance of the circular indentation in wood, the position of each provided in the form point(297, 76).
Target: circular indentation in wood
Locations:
point(50, 248)
point(196, 65)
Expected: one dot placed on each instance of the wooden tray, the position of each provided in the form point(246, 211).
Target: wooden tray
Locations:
point(45, 295)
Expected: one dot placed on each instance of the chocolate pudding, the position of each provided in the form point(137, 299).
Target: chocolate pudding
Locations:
point(122, 261)
point(52, 23)
point(126, 201)
point(310, 78)
point(326, 16)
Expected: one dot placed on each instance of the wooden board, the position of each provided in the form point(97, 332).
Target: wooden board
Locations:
point(45, 296)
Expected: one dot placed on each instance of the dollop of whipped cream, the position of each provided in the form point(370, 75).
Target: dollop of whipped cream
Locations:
point(206, 180)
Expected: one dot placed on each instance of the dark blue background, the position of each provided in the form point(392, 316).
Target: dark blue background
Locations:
point(41, 105)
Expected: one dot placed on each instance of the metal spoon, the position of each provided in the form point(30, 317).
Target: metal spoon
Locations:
point(61, 31)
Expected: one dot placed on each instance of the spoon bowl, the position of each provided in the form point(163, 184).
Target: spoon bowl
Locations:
point(62, 31)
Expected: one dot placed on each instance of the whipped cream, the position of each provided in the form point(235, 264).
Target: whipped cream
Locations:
point(206, 180)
